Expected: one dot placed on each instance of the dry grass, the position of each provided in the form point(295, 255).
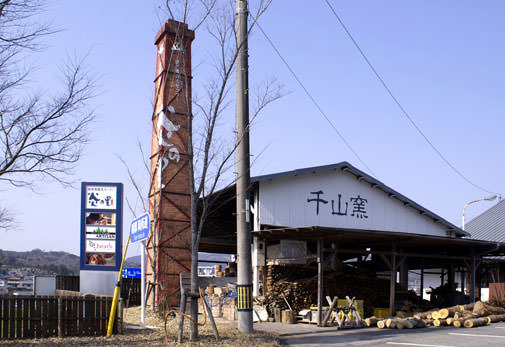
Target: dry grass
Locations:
point(154, 336)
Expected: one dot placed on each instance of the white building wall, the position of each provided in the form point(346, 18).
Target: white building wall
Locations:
point(283, 202)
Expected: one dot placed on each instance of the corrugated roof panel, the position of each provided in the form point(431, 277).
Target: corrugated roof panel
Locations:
point(490, 225)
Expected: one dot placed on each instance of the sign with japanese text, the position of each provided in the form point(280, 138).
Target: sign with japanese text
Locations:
point(101, 198)
point(101, 226)
point(337, 199)
point(132, 272)
point(139, 228)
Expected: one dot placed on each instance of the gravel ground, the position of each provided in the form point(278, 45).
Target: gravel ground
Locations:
point(154, 335)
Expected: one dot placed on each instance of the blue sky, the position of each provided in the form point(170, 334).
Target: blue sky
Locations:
point(442, 60)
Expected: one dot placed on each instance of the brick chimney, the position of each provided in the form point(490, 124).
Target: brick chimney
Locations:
point(169, 245)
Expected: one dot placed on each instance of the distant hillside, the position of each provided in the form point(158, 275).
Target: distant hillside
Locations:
point(58, 263)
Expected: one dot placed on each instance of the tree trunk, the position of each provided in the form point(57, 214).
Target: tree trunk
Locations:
point(194, 268)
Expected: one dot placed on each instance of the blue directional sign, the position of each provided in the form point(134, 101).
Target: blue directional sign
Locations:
point(139, 229)
point(131, 272)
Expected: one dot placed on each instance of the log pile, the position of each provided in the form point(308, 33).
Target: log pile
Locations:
point(468, 316)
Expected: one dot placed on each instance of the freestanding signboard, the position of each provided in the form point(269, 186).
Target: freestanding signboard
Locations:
point(101, 234)
point(139, 231)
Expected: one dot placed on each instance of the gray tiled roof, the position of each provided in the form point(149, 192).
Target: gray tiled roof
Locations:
point(490, 225)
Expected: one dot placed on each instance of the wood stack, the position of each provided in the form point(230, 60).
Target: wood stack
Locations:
point(298, 283)
point(469, 316)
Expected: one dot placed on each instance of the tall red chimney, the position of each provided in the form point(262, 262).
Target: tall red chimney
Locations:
point(169, 245)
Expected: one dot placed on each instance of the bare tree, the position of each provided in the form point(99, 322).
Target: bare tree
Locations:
point(41, 134)
point(209, 157)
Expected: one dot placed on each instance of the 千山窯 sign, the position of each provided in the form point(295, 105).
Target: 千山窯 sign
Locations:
point(101, 226)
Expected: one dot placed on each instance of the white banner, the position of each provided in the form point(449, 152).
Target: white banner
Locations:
point(100, 232)
point(101, 197)
point(104, 246)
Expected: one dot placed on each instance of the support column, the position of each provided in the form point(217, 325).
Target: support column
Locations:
point(462, 284)
point(392, 283)
point(244, 268)
point(404, 275)
point(450, 275)
point(422, 282)
point(472, 281)
point(319, 282)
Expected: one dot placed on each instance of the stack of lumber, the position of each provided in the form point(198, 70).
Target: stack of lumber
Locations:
point(469, 316)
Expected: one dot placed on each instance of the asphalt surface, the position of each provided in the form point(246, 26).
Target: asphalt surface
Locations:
point(310, 335)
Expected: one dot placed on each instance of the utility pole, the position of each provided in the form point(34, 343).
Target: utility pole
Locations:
point(244, 275)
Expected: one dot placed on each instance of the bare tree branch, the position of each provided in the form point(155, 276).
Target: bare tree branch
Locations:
point(41, 136)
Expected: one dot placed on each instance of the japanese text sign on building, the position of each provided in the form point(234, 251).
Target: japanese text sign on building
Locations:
point(139, 229)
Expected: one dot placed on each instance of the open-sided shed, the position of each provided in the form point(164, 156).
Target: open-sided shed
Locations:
point(339, 211)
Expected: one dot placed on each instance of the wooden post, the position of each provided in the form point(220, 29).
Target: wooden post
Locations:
point(442, 275)
point(60, 317)
point(422, 281)
point(392, 284)
point(319, 282)
point(211, 318)
point(472, 282)
point(183, 310)
point(404, 275)
point(463, 281)
point(120, 316)
point(450, 275)
point(333, 263)
point(330, 309)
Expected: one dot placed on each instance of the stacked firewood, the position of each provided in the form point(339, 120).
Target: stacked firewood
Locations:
point(469, 316)
point(298, 286)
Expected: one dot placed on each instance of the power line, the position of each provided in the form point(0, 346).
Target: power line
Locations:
point(313, 99)
point(403, 110)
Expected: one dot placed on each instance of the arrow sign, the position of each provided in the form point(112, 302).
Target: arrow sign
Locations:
point(139, 229)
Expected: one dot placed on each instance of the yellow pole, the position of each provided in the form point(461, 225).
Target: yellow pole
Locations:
point(115, 299)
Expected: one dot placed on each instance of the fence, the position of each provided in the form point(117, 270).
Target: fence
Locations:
point(49, 316)
point(67, 283)
point(130, 291)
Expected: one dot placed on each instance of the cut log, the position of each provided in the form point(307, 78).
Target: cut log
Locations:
point(475, 322)
point(449, 320)
point(435, 315)
point(458, 323)
point(424, 315)
point(421, 323)
point(448, 312)
point(439, 322)
point(381, 324)
point(467, 307)
point(400, 324)
point(372, 321)
point(411, 323)
point(288, 317)
point(483, 309)
point(496, 318)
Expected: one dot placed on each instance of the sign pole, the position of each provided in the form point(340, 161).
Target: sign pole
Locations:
point(143, 281)
point(117, 291)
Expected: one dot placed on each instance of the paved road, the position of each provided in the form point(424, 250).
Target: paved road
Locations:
point(309, 335)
